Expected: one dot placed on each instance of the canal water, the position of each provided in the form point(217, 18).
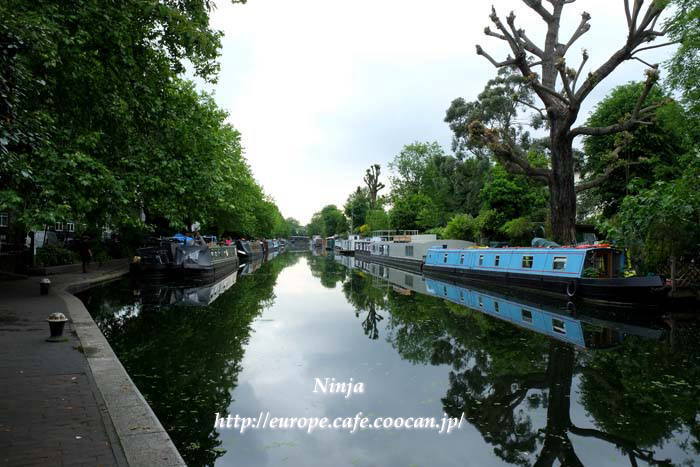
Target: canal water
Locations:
point(534, 382)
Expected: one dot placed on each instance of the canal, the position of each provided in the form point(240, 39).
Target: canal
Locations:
point(535, 383)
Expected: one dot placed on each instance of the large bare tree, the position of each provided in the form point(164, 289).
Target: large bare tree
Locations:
point(562, 90)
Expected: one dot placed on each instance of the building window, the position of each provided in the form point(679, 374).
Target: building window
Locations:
point(527, 315)
point(59, 226)
point(481, 260)
point(444, 259)
point(559, 263)
point(496, 307)
point(497, 261)
point(409, 251)
point(4, 219)
point(527, 262)
point(461, 259)
point(559, 326)
point(70, 226)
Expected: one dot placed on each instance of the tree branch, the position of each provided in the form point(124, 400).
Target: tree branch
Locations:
point(506, 152)
point(580, 69)
point(635, 117)
point(507, 62)
point(587, 185)
point(582, 29)
point(542, 11)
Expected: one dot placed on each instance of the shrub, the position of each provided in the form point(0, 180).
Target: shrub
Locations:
point(52, 255)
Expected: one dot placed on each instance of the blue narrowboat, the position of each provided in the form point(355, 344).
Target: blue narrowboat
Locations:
point(591, 272)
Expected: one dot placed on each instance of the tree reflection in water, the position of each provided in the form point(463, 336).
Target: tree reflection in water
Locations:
point(185, 360)
point(638, 396)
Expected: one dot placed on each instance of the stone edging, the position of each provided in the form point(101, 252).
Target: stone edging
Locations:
point(143, 439)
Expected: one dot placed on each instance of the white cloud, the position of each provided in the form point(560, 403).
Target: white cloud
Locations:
point(321, 89)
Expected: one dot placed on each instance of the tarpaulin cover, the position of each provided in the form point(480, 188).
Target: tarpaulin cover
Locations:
point(543, 242)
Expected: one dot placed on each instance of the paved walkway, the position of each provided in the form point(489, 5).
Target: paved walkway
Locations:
point(51, 412)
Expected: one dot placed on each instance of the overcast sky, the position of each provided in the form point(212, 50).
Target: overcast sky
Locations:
point(321, 89)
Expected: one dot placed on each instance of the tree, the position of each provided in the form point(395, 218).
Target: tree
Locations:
point(684, 66)
point(357, 206)
point(294, 227)
point(662, 220)
point(374, 186)
point(327, 222)
point(562, 104)
point(650, 152)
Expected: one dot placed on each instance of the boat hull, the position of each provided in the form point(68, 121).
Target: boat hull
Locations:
point(629, 291)
point(413, 265)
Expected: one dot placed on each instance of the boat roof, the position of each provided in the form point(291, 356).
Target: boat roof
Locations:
point(525, 249)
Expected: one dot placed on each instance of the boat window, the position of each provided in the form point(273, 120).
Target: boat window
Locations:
point(496, 307)
point(444, 260)
point(558, 326)
point(481, 260)
point(497, 261)
point(559, 263)
point(481, 301)
point(527, 262)
point(408, 280)
point(409, 251)
point(444, 290)
point(461, 295)
point(527, 315)
point(461, 258)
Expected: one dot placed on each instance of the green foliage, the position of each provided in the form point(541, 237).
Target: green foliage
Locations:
point(357, 206)
point(651, 150)
point(327, 222)
point(53, 255)
point(684, 66)
point(519, 230)
point(496, 107)
point(377, 219)
point(98, 126)
point(661, 220)
point(462, 227)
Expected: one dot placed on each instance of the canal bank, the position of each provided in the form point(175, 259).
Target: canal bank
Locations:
point(70, 402)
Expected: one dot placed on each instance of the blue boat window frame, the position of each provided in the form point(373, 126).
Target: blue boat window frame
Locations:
point(559, 261)
point(527, 261)
point(481, 301)
point(497, 260)
point(444, 260)
point(481, 260)
point(526, 315)
point(461, 258)
point(496, 307)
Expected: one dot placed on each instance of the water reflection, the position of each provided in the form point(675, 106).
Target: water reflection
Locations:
point(186, 359)
point(636, 394)
point(608, 391)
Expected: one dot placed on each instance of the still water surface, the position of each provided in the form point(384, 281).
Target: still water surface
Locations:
point(538, 385)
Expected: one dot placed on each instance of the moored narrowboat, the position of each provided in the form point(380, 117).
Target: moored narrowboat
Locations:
point(179, 256)
point(590, 272)
point(249, 250)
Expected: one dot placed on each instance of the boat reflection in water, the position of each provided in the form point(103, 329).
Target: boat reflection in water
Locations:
point(559, 320)
point(189, 294)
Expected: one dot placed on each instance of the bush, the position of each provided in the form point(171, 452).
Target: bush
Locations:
point(461, 227)
point(52, 255)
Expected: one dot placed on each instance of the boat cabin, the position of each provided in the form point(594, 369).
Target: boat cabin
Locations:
point(588, 261)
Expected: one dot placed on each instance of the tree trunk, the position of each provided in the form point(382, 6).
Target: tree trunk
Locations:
point(562, 191)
